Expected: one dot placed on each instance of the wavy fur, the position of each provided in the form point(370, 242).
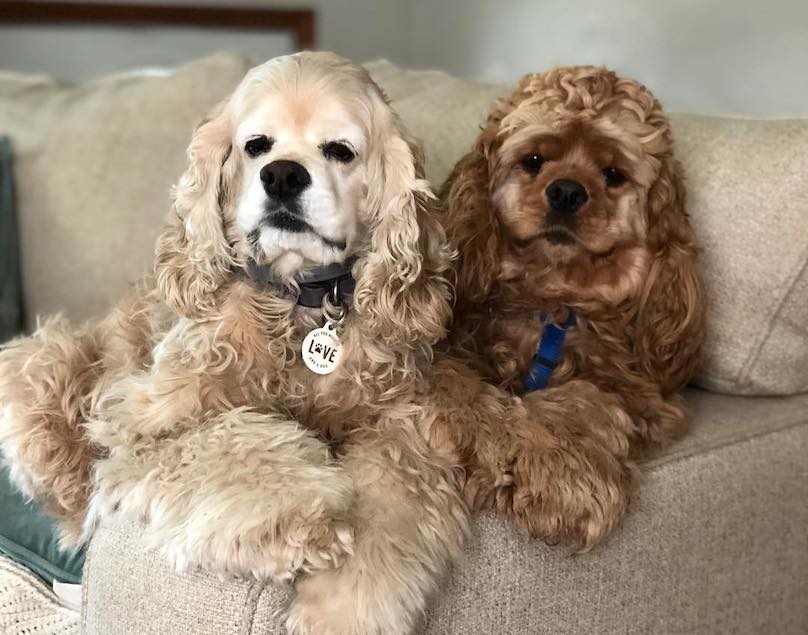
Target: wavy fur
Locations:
point(189, 407)
point(627, 269)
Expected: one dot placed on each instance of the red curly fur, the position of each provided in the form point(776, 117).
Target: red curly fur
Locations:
point(626, 265)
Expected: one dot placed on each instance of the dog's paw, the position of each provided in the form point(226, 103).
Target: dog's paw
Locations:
point(564, 473)
point(269, 551)
point(322, 606)
point(250, 533)
point(345, 602)
point(575, 492)
point(276, 549)
point(249, 495)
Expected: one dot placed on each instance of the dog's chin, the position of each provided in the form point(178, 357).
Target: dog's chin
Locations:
point(559, 236)
point(289, 250)
point(560, 244)
point(560, 252)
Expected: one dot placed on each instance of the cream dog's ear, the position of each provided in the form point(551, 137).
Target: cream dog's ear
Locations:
point(402, 291)
point(192, 254)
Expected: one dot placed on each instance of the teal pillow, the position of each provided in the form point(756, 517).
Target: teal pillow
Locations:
point(10, 306)
point(30, 537)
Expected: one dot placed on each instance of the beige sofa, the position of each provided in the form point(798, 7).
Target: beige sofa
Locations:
point(717, 540)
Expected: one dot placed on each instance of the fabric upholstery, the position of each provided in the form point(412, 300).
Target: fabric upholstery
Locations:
point(127, 590)
point(748, 199)
point(715, 543)
point(94, 166)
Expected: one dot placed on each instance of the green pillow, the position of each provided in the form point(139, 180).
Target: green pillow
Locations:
point(30, 537)
point(10, 313)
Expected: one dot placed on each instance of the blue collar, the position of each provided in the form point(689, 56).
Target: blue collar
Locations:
point(549, 352)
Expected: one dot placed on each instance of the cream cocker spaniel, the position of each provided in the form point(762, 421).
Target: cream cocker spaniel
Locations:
point(190, 405)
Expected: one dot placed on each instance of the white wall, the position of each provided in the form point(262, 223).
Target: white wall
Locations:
point(713, 56)
point(359, 29)
point(84, 52)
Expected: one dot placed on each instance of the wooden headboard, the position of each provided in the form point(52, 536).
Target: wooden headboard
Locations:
point(299, 22)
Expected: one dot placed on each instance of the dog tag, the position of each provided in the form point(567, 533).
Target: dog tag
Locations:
point(321, 350)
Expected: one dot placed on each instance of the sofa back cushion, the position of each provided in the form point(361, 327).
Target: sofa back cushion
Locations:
point(748, 201)
point(94, 167)
point(747, 188)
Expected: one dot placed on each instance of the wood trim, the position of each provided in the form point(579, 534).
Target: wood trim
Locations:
point(301, 22)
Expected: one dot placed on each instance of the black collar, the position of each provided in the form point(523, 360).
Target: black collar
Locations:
point(312, 286)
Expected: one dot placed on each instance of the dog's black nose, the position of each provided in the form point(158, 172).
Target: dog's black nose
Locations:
point(566, 196)
point(284, 179)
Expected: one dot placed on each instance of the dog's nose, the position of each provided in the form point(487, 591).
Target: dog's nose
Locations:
point(566, 196)
point(284, 179)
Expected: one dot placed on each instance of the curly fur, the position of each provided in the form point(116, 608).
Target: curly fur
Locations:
point(188, 407)
point(626, 266)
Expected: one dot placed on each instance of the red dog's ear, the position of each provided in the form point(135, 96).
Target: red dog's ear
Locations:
point(670, 321)
point(472, 224)
point(469, 215)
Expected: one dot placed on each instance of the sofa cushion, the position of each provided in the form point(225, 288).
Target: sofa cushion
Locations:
point(748, 197)
point(95, 163)
point(129, 590)
point(715, 542)
point(748, 200)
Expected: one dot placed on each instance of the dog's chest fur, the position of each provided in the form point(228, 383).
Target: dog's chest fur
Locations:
point(508, 344)
point(250, 355)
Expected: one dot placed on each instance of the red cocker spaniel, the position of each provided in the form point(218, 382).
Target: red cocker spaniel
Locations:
point(568, 215)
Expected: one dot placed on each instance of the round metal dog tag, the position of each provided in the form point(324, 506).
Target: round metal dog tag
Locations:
point(321, 350)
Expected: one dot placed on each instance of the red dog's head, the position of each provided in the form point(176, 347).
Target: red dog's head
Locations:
point(571, 195)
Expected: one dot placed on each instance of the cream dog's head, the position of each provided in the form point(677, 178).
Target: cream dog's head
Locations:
point(306, 165)
point(303, 140)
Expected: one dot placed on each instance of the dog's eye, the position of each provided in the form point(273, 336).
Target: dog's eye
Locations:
point(614, 177)
point(532, 163)
point(258, 145)
point(338, 151)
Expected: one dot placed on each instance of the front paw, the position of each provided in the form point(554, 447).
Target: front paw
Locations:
point(298, 536)
point(239, 532)
point(249, 495)
point(250, 543)
point(574, 491)
point(345, 601)
point(324, 605)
